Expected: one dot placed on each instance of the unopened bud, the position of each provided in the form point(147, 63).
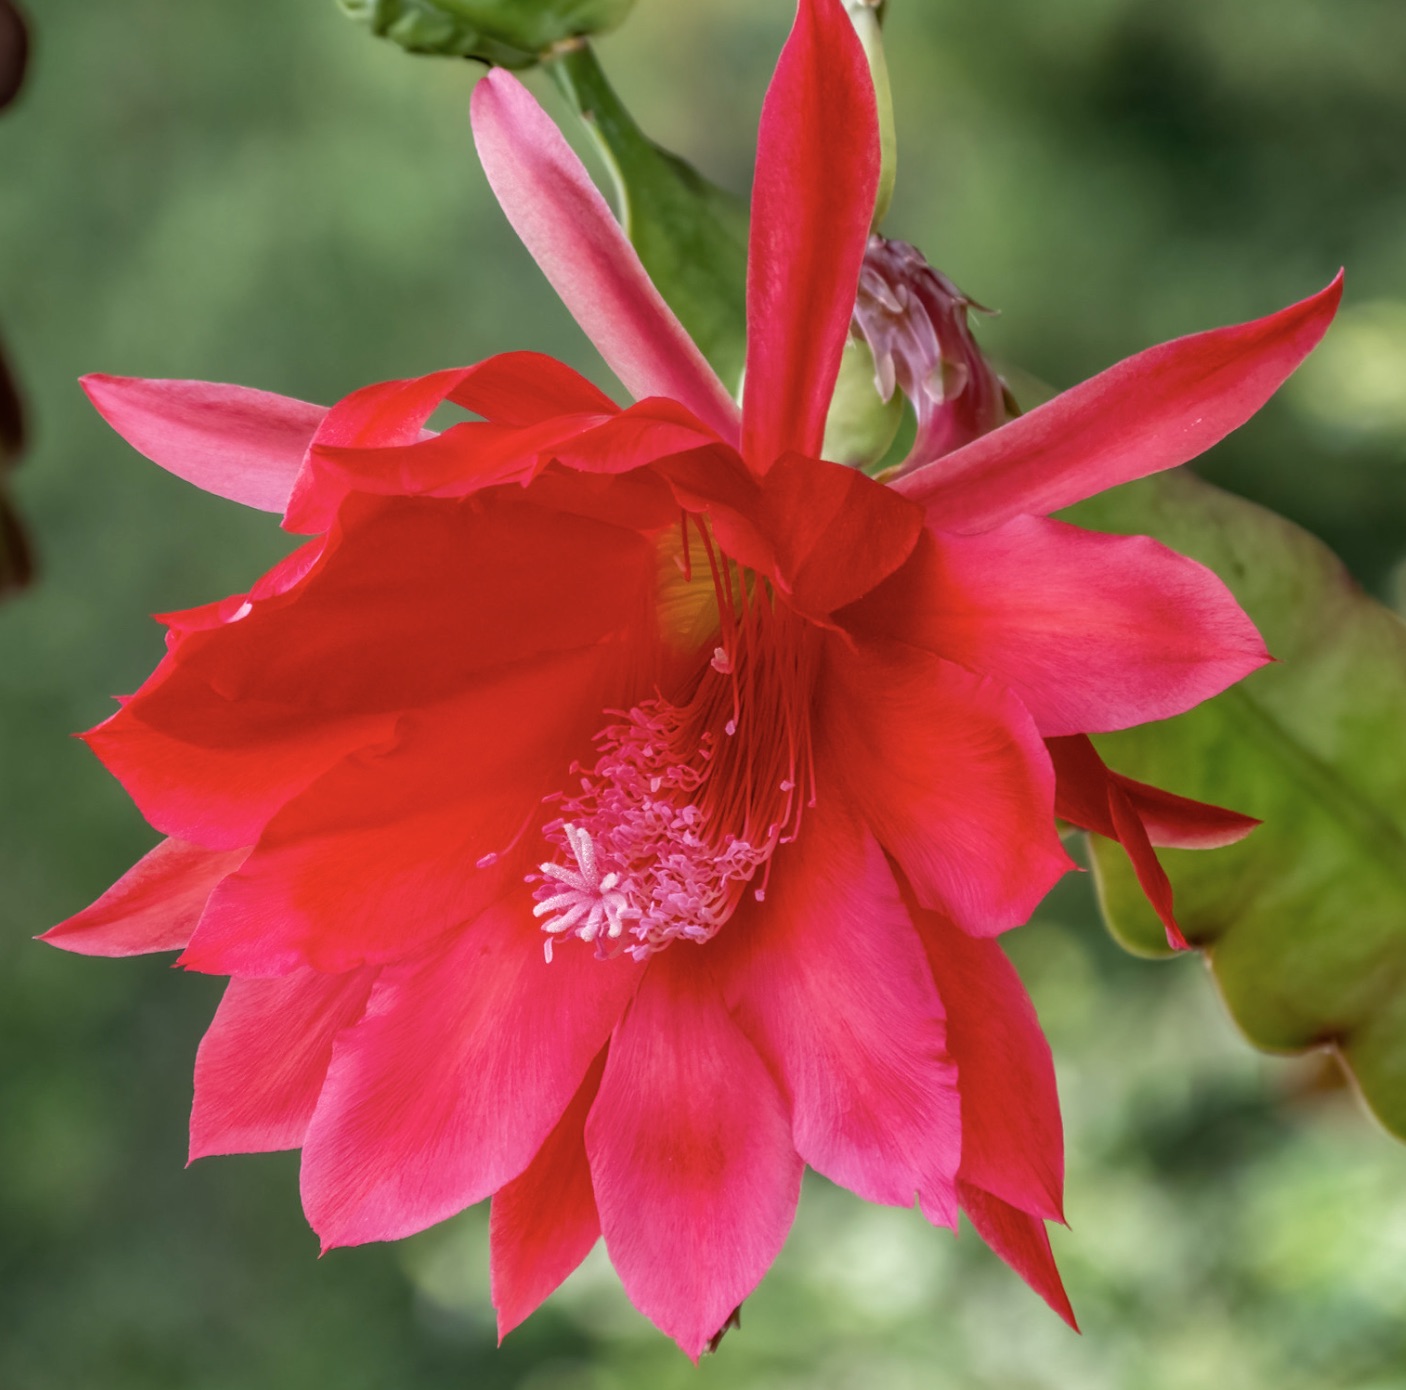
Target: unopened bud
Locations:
point(862, 424)
point(914, 321)
point(507, 33)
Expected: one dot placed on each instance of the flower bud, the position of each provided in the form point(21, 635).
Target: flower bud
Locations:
point(914, 321)
point(507, 33)
point(862, 424)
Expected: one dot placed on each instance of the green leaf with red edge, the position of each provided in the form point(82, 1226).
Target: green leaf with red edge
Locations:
point(1304, 923)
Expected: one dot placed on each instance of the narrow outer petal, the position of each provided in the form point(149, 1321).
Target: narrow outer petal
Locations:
point(544, 1222)
point(447, 1088)
point(261, 1065)
point(691, 1155)
point(154, 906)
point(1012, 1137)
point(1022, 1242)
point(829, 979)
point(1092, 796)
point(236, 442)
point(950, 773)
point(1081, 797)
point(1092, 632)
point(1150, 412)
point(567, 226)
point(812, 202)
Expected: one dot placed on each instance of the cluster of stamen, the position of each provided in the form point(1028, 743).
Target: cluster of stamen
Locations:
point(687, 800)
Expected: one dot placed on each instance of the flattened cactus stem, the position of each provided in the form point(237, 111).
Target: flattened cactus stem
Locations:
point(867, 17)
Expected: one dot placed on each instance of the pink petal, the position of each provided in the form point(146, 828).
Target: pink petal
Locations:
point(829, 979)
point(950, 773)
point(233, 441)
point(1152, 411)
point(691, 1155)
point(567, 226)
point(1093, 632)
point(544, 1222)
point(395, 846)
point(154, 906)
point(812, 202)
point(465, 1061)
point(1021, 1241)
point(261, 1065)
point(1012, 1137)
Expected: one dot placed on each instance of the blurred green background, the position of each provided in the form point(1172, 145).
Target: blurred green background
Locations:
point(259, 192)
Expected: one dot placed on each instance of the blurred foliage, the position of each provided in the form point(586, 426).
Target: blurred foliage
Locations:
point(256, 193)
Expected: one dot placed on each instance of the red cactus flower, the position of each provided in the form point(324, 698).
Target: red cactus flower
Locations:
point(752, 744)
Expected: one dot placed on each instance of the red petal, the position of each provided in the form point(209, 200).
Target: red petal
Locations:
point(382, 415)
point(230, 440)
point(1151, 876)
point(1081, 797)
point(382, 855)
point(243, 717)
point(514, 390)
point(829, 980)
point(1093, 632)
point(1153, 411)
point(1092, 796)
point(835, 533)
point(208, 770)
point(154, 906)
point(565, 223)
point(1021, 1241)
point(525, 388)
point(812, 202)
point(544, 1222)
point(463, 460)
point(470, 457)
point(949, 771)
point(1012, 1138)
point(1178, 821)
point(262, 1063)
point(691, 1155)
point(416, 600)
point(451, 1083)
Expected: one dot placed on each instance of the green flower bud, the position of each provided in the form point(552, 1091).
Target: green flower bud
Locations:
point(862, 424)
point(507, 33)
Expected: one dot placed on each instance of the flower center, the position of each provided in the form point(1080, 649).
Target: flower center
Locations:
point(687, 800)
